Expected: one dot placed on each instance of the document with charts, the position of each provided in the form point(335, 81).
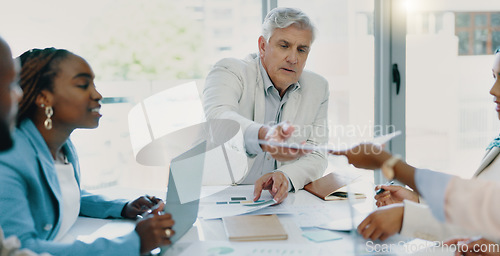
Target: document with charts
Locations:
point(232, 201)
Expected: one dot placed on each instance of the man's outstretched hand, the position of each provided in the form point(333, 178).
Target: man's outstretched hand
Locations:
point(280, 133)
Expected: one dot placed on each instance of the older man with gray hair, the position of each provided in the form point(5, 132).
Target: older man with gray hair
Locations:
point(272, 97)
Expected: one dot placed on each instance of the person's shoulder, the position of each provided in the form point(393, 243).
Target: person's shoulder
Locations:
point(20, 152)
point(313, 79)
point(249, 62)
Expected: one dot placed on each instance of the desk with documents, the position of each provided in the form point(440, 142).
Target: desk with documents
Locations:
point(208, 237)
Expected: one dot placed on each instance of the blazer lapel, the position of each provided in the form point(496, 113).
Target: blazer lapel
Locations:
point(488, 158)
point(260, 101)
point(44, 157)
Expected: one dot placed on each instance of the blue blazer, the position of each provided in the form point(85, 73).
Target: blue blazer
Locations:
point(30, 200)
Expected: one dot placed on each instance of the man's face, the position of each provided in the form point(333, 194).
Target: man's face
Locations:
point(10, 94)
point(285, 55)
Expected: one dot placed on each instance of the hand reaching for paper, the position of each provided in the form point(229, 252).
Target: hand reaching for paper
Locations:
point(366, 156)
point(275, 182)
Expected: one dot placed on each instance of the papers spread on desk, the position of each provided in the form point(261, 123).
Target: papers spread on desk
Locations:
point(309, 215)
point(343, 224)
point(327, 216)
point(219, 204)
point(254, 248)
point(88, 229)
point(381, 140)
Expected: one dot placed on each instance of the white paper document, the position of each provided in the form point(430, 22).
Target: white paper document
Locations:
point(343, 224)
point(233, 200)
point(206, 248)
point(377, 140)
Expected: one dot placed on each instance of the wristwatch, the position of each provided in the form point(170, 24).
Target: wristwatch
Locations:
point(388, 167)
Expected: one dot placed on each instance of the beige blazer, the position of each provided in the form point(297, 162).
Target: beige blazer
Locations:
point(419, 222)
point(234, 90)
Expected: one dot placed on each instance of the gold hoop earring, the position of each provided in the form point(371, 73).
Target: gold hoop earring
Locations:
point(48, 112)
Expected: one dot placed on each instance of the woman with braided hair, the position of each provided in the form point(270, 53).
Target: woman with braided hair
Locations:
point(39, 181)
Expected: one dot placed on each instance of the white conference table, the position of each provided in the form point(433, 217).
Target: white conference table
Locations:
point(208, 237)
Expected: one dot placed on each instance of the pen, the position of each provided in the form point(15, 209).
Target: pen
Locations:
point(381, 190)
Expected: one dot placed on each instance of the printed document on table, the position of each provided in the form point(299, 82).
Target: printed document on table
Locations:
point(203, 248)
point(218, 203)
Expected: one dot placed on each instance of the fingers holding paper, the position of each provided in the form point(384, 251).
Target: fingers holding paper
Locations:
point(366, 155)
point(275, 182)
point(280, 133)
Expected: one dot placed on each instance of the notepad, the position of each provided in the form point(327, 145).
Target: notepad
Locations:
point(331, 187)
point(254, 228)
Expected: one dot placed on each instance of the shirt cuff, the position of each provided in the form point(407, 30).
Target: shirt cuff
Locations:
point(432, 186)
point(251, 135)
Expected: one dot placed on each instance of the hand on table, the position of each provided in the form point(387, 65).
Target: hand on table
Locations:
point(382, 223)
point(275, 182)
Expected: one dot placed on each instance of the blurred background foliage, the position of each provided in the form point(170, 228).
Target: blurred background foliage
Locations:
point(144, 42)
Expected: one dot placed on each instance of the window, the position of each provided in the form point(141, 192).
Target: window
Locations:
point(136, 49)
point(478, 32)
point(343, 52)
point(139, 48)
point(450, 117)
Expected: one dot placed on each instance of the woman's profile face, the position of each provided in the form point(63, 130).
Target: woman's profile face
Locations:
point(75, 98)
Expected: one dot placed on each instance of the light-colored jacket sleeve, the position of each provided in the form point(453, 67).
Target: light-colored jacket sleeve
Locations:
point(474, 205)
point(225, 90)
point(419, 222)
